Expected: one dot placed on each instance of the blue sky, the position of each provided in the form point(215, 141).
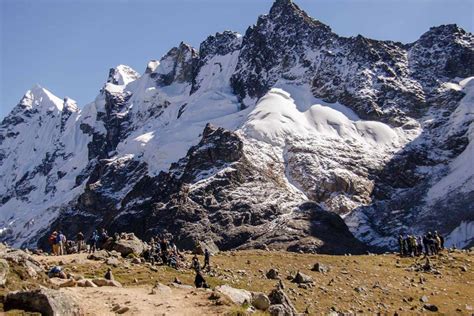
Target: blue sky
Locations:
point(68, 46)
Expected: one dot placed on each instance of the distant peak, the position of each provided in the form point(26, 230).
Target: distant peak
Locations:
point(284, 6)
point(287, 12)
point(122, 75)
point(39, 97)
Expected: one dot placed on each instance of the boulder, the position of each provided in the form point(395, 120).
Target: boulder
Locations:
point(278, 297)
point(260, 301)
point(302, 278)
point(4, 268)
point(86, 283)
point(126, 246)
point(430, 307)
point(203, 245)
point(104, 282)
point(63, 282)
point(136, 260)
point(272, 274)
point(161, 288)
point(278, 310)
point(112, 261)
point(238, 296)
point(45, 301)
point(319, 267)
point(68, 283)
point(98, 255)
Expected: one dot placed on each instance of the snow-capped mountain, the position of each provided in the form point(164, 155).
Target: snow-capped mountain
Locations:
point(288, 136)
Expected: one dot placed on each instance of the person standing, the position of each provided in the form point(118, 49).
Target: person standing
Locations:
point(80, 241)
point(400, 245)
point(61, 241)
point(195, 264)
point(52, 242)
point(207, 259)
point(93, 242)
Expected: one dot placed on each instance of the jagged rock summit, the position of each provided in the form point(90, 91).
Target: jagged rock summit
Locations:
point(287, 137)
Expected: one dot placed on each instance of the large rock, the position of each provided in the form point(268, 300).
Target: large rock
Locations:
point(281, 304)
point(260, 301)
point(4, 268)
point(272, 274)
point(319, 267)
point(104, 282)
point(128, 245)
point(302, 278)
point(238, 296)
point(45, 301)
point(86, 283)
point(203, 245)
point(98, 255)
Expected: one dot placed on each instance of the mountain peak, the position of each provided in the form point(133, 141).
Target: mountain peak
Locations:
point(38, 96)
point(122, 75)
point(284, 7)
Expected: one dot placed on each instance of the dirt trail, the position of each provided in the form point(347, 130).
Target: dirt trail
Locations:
point(140, 299)
point(166, 301)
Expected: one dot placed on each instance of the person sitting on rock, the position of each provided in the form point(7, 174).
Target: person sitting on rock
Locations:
point(57, 272)
point(199, 281)
point(108, 275)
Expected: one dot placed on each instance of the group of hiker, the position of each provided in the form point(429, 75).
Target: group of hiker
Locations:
point(60, 245)
point(428, 244)
point(159, 250)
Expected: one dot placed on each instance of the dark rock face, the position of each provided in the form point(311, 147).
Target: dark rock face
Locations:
point(177, 204)
point(180, 65)
point(342, 69)
point(445, 51)
point(220, 44)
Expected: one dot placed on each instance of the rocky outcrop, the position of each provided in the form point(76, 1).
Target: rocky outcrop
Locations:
point(45, 301)
point(125, 246)
point(193, 210)
point(280, 304)
point(4, 269)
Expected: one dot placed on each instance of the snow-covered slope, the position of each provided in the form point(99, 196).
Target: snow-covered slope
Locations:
point(42, 150)
point(377, 132)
